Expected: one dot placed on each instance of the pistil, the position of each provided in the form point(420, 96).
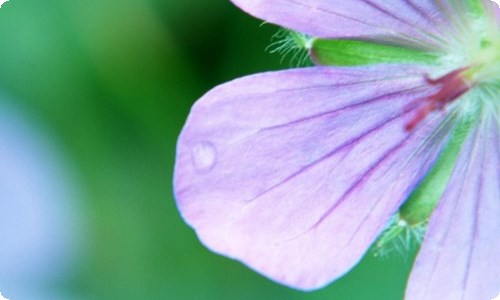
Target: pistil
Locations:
point(451, 87)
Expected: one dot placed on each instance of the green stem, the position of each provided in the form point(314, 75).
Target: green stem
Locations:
point(424, 199)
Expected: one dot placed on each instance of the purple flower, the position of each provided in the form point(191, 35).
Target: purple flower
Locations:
point(297, 173)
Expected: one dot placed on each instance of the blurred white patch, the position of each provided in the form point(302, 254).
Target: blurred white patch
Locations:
point(1, 3)
point(497, 297)
point(40, 223)
point(2, 297)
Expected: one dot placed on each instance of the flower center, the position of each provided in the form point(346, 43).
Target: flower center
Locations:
point(451, 87)
point(483, 75)
point(485, 66)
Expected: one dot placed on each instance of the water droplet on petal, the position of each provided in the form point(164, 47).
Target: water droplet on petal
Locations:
point(204, 156)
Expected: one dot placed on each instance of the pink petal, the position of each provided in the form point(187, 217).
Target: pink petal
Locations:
point(461, 252)
point(423, 22)
point(295, 173)
point(493, 7)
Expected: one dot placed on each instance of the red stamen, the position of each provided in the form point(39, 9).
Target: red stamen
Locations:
point(452, 86)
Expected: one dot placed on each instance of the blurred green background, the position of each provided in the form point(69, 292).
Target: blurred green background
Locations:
point(107, 85)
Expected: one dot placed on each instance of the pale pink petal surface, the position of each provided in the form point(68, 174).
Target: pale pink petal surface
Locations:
point(495, 6)
point(295, 173)
point(425, 23)
point(460, 255)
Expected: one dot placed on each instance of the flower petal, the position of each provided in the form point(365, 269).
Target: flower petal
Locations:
point(422, 22)
point(494, 10)
point(295, 173)
point(460, 254)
